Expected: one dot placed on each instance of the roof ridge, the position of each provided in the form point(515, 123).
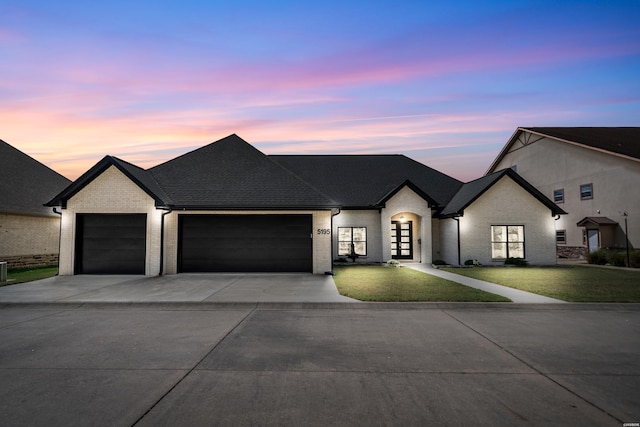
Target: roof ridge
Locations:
point(334, 155)
point(200, 149)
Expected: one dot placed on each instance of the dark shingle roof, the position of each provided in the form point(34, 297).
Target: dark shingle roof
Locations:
point(232, 174)
point(471, 191)
point(596, 220)
point(619, 140)
point(25, 183)
point(360, 181)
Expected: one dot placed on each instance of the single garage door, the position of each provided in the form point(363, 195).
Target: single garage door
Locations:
point(111, 243)
point(254, 243)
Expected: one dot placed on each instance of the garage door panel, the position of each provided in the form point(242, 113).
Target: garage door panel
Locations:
point(111, 243)
point(245, 243)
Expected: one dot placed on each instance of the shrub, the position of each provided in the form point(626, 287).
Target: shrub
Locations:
point(439, 262)
point(393, 263)
point(634, 258)
point(473, 262)
point(518, 262)
point(598, 257)
point(616, 258)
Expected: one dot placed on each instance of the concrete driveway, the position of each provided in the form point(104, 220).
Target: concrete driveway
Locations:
point(205, 287)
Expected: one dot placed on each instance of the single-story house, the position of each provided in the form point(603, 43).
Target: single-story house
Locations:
point(229, 207)
point(29, 231)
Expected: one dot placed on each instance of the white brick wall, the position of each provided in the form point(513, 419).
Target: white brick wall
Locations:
point(28, 235)
point(506, 203)
point(361, 218)
point(448, 249)
point(111, 192)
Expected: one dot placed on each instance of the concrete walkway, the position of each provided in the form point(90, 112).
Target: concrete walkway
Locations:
point(514, 295)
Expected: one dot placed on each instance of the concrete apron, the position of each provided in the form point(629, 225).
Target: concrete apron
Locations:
point(192, 287)
point(514, 295)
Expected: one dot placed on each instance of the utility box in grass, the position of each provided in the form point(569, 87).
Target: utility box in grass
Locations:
point(3, 271)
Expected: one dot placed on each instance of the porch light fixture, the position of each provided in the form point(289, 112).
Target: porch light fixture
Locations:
point(402, 218)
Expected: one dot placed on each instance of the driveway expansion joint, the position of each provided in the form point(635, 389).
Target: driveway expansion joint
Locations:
point(193, 368)
point(535, 369)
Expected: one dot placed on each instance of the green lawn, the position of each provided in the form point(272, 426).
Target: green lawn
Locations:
point(379, 283)
point(569, 283)
point(22, 275)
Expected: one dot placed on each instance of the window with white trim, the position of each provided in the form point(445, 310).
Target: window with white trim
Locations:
point(558, 196)
point(352, 239)
point(586, 191)
point(561, 237)
point(507, 241)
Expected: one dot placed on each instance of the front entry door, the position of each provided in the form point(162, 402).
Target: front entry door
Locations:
point(592, 239)
point(401, 240)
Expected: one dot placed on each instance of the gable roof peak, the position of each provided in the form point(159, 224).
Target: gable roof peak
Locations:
point(621, 141)
point(472, 190)
point(139, 176)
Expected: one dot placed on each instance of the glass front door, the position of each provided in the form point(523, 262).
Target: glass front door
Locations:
point(401, 240)
point(593, 240)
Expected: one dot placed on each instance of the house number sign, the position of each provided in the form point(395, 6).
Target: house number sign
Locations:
point(324, 231)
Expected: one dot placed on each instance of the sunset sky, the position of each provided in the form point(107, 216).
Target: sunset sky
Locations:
point(443, 82)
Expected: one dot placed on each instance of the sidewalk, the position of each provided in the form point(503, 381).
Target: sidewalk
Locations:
point(514, 295)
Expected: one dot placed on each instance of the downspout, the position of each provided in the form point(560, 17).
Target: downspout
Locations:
point(162, 239)
point(457, 219)
point(55, 211)
point(332, 258)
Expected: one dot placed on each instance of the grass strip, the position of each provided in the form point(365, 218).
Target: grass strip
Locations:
point(22, 275)
point(569, 283)
point(384, 284)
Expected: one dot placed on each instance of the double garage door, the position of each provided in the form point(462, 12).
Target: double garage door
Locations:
point(116, 243)
point(258, 243)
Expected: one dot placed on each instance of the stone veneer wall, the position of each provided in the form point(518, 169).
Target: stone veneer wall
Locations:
point(572, 252)
point(30, 261)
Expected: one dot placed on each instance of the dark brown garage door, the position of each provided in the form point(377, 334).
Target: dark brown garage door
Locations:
point(110, 243)
point(254, 243)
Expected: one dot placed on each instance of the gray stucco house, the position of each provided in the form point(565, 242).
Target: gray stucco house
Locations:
point(591, 172)
point(229, 207)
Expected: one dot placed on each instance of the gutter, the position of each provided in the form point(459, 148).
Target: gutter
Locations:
point(457, 219)
point(332, 255)
point(55, 211)
point(168, 211)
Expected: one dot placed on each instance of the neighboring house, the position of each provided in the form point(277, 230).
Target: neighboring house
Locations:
point(29, 231)
point(229, 207)
point(593, 173)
